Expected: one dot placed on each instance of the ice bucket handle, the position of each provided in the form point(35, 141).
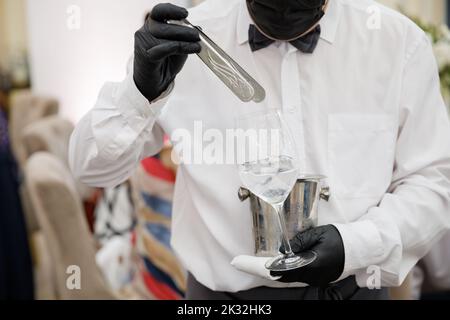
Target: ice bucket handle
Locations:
point(243, 194)
point(325, 193)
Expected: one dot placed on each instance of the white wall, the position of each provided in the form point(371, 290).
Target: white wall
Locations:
point(72, 65)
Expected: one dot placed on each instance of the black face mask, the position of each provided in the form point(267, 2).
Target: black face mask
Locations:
point(285, 19)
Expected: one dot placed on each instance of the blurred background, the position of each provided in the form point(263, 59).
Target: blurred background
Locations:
point(62, 240)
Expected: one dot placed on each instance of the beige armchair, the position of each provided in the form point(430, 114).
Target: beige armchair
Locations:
point(60, 215)
point(49, 134)
point(52, 134)
point(27, 108)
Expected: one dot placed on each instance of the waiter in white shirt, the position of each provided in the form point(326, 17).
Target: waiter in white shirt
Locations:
point(364, 105)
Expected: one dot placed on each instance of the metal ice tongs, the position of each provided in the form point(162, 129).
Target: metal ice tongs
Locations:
point(244, 86)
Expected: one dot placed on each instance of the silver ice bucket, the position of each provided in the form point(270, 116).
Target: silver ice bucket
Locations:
point(300, 212)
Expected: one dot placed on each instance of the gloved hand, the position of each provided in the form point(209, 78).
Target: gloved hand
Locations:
point(327, 243)
point(161, 49)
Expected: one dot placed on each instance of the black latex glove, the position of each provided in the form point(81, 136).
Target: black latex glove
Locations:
point(161, 49)
point(327, 243)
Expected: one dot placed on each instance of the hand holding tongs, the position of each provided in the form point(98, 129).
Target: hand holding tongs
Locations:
point(232, 74)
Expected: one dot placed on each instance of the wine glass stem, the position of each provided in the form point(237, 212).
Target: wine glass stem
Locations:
point(285, 236)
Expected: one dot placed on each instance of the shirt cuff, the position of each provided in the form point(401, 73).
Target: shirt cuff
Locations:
point(363, 246)
point(136, 114)
point(133, 105)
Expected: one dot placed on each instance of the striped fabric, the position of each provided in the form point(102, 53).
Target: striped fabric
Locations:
point(158, 269)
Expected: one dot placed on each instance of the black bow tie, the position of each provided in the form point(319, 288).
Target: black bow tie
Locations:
point(306, 44)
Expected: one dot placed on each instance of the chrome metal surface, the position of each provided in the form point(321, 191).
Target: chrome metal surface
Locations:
point(300, 210)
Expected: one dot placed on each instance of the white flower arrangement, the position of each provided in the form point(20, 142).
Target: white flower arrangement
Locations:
point(440, 37)
point(442, 52)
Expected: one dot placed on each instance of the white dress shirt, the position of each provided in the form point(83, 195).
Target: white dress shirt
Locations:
point(365, 109)
point(437, 265)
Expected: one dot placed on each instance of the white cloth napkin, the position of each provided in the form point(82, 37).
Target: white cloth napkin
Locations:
point(114, 260)
point(254, 266)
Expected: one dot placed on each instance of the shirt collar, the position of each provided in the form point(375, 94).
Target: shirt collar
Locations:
point(328, 24)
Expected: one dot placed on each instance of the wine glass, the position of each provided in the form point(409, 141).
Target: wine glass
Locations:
point(269, 167)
